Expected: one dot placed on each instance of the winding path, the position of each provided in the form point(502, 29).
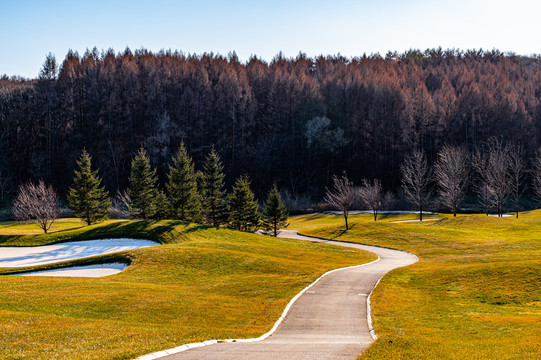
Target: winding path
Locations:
point(329, 320)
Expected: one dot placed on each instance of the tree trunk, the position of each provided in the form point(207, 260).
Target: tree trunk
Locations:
point(421, 213)
point(346, 219)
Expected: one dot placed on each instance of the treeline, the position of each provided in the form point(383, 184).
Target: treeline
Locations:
point(495, 172)
point(190, 196)
point(294, 121)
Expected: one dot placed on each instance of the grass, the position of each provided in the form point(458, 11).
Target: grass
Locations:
point(203, 283)
point(474, 294)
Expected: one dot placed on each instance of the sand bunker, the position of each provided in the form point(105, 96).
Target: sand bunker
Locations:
point(48, 254)
point(99, 270)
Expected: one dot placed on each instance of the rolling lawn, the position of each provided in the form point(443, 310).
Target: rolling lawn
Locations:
point(202, 283)
point(474, 294)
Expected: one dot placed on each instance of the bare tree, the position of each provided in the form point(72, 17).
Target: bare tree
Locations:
point(517, 169)
point(371, 194)
point(492, 165)
point(452, 174)
point(536, 174)
point(343, 196)
point(36, 203)
point(486, 200)
point(416, 179)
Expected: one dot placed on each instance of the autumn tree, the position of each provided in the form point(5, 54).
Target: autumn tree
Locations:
point(371, 194)
point(298, 120)
point(142, 188)
point(416, 180)
point(87, 197)
point(274, 212)
point(37, 203)
point(452, 175)
point(343, 196)
point(243, 208)
point(182, 187)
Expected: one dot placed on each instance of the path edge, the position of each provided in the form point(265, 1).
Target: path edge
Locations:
point(185, 347)
point(371, 329)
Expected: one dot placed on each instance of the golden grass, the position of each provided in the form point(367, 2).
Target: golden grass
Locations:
point(203, 283)
point(474, 294)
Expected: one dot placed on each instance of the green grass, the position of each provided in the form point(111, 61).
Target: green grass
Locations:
point(474, 294)
point(203, 283)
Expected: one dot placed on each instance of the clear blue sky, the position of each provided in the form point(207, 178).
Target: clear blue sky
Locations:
point(29, 29)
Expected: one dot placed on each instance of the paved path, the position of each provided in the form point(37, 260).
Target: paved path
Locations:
point(329, 321)
point(414, 220)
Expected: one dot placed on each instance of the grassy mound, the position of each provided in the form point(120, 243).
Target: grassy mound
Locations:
point(474, 294)
point(203, 283)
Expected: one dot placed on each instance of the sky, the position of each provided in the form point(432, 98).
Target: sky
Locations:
point(30, 29)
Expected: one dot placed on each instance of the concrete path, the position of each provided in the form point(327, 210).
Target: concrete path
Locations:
point(328, 321)
point(414, 220)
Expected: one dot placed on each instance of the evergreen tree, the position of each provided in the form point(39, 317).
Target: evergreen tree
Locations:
point(142, 189)
point(87, 198)
point(182, 187)
point(213, 193)
point(275, 213)
point(243, 214)
point(163, 207)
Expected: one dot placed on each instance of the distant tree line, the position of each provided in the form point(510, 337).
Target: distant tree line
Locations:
point(496, 173)
point(192, 197)
point(297, 121)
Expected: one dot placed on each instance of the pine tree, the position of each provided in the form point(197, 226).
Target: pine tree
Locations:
point(163, 207)
point(274, 213)
point(243, 214)
point(182, 187)
point(87, 198)
point(213, 193)
point(142, 189)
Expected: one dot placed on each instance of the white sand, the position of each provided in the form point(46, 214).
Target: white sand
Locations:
point(99, 270)
point(40, 255)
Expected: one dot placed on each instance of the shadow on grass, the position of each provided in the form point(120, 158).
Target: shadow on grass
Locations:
point(313, 216)
point(162, 231)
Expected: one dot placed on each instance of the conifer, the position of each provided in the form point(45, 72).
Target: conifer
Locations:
point(213, 193)
point(243, 213)
point(182, 187)
point(163, 207)
point(274, 213)
point(142, 189)
point(87, 198)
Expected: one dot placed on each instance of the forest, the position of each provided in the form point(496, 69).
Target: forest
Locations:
point(297, 121)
